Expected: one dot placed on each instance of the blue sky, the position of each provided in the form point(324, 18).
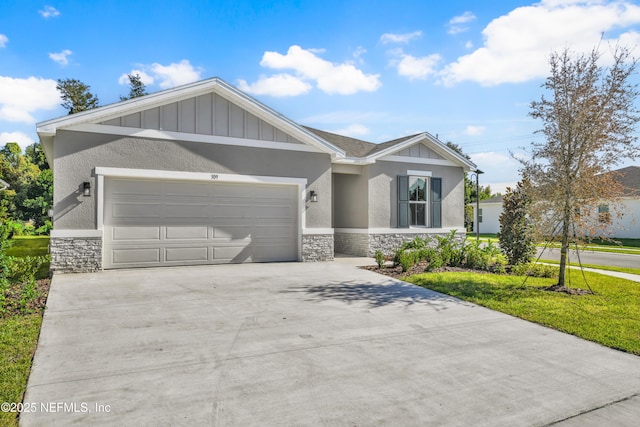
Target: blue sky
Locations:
point(375, 70)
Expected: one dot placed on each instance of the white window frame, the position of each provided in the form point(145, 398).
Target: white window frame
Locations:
point(426, 176)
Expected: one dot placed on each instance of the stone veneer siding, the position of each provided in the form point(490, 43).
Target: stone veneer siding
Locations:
point(365, 244)
point(317, 247)
point(75, 255)
point(352, 243)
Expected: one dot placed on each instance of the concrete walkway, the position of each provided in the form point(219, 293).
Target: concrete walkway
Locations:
point(307, 344)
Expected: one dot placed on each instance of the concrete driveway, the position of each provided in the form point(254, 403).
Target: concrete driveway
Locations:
point(307, 344)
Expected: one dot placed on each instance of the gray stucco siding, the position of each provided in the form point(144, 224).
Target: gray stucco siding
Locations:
point(76, 154)
point(350, 200)
point(383, 190)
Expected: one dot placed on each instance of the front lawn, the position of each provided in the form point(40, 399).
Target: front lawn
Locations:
point(611, 317)
point(20, 319)
point(18, 339)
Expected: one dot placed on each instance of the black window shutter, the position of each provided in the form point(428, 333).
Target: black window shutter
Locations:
point(403, 201)
point(436, 202)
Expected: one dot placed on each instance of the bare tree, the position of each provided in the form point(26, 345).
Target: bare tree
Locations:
point(588, 122)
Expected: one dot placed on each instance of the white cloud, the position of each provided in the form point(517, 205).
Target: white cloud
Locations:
point(20, 98)
point(277, 85)
point(472, 130)
point(416, 68)
point(49, 12)
point(61, 57)
point(22, 139)
point(175, 74)
point(166, 76)
point(358, 53)
point(517, 45)
point(400, 38)
point(354, 130)
point(468, 45)
point(3, 40)
point(497, 177)
point(456, 23)
point(144, 77)
point(342, 79)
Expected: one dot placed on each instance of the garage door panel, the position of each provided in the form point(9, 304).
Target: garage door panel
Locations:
point(129, 256)
point(186, 210)
point(236, 254)
point(136, 209)
point(231, 232)
point(155, 223)
point(186, 232)
point(281, 231)
point(271, 253)
point(135, 233)
point(186, 254)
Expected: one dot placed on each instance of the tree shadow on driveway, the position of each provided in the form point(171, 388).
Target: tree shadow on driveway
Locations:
point(377, 294)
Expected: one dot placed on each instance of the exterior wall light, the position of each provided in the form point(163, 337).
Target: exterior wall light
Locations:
point(86, 189)
point(313, 196)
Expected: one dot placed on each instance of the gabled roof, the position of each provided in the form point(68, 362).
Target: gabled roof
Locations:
point(47, 129)
point(629, 178)
point(342, 149)
point(368, 152)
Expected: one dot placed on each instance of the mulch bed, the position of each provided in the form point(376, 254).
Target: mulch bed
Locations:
point(13, 299)
point(396, 272)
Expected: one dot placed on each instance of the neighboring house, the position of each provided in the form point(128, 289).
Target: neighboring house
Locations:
point(626, 226)
point(205, 174)
point(489, 218)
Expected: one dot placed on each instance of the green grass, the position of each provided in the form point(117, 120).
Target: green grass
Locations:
point(611, 317)
point(18, 339)
point(19, 334)
point(629, 270)
point(22, 246)
point(29, 246)
point(620, 246)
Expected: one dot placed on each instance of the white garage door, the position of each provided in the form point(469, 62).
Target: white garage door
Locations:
point(150, 223)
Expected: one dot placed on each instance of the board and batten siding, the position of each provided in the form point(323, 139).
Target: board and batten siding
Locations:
point(208, 114)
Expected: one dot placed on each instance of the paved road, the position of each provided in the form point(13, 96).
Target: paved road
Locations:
point(597, 258)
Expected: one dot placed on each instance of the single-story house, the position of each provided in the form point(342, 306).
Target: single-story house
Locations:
point(489, 215)
point(205, 174)
point(625, 226)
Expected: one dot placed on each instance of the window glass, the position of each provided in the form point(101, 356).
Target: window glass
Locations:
point(417, 189)
point(603, 214)
point(418, 214)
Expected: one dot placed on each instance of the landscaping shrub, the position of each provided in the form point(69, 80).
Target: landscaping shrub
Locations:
point(379, 256)
point(24, 269)
point(516, 229)
point(416, 243)
point(407, 259)
point(535, 270)
point(451, 252)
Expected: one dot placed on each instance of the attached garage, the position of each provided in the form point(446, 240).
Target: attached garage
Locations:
point(153, 222)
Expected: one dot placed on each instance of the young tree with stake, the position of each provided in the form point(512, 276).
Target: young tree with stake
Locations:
point(588, 122)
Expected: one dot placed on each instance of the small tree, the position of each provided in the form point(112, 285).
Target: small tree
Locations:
point(76, 95)
point(589, 126)
point(136, 87)
point(516, 229)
